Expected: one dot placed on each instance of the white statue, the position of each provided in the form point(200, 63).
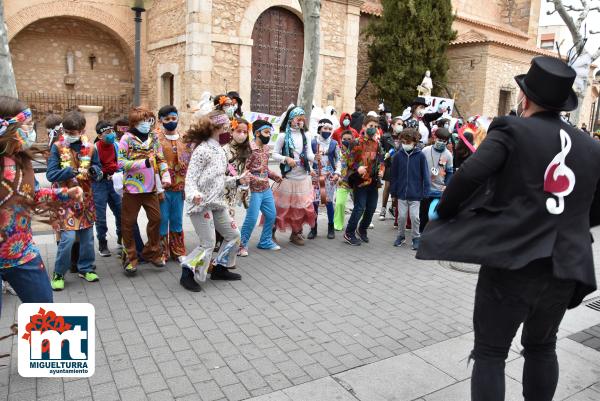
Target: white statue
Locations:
point(426, 85)
point(70, 62)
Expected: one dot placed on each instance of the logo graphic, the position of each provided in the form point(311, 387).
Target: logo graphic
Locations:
point(57, 340)
point(559, 180)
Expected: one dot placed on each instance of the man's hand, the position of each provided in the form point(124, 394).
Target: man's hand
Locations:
point(362, 170)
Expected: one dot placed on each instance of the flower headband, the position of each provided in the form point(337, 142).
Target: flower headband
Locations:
point(235, 123)
point(105, 129)
point(19, 118)
point(324, 125)
point(219, 119)
point(223, 100)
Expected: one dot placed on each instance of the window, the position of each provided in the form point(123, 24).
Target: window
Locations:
point(504, 102)
point(167, 89)
point(547, 44)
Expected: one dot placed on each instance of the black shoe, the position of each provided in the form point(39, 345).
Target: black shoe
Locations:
point(362, 235)
point(351, 239)
point(187, 280)
point(330, 231)
point(220, 272)
point(103, 248)
point(313, 232)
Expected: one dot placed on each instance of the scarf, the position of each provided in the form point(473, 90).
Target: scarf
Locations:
point(288, 142)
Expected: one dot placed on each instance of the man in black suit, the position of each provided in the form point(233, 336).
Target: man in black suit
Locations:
point(522, 207)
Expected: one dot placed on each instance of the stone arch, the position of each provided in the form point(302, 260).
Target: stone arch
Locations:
point(62, 8)
point(254, 9)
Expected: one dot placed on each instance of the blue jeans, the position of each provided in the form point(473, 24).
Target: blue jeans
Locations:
point(365, 203)
point(104, 193)
point(260, 202)
point(171, 213)
point(30, 281)
point(86, 251)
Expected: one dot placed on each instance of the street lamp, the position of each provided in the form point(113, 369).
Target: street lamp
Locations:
point(138, 8)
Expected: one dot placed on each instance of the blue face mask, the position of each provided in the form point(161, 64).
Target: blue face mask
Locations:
point(170, 126)
point(371, 131)
point(143, 127)
point(439, 146)
point(110, 138)
point(325, 134)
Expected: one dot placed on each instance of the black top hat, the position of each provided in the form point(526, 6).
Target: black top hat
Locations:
point(549, 83)
point(419, 101)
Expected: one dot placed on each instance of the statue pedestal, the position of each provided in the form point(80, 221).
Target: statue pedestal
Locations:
point(91, 118)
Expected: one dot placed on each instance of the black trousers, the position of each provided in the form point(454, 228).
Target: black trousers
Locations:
point(503, 300)
point(424, 212)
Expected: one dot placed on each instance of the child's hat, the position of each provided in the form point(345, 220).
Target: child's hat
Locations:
point(103, 126)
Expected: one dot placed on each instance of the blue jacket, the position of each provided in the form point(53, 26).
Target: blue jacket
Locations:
point(54, 173)
point(410, 175)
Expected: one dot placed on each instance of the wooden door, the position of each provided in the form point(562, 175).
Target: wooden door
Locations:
point(277, 55)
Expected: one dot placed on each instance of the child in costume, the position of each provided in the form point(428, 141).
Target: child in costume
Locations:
point(206, 205)
point(238, 151)
point(177, 156)
point(295, 194)
point(364, 175)
point(409, 184)
point(20, 262)
point(343, 188)
point(261, 195)
point(142, 160)
point(74, 162)
point(326, 173)
point(104, 191)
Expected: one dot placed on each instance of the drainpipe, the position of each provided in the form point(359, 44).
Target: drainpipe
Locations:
point(137, 63)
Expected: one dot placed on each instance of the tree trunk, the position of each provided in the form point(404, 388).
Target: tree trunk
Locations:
point(311, 11)
point(8, 86)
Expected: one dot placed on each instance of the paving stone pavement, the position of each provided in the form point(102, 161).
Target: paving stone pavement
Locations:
point(299, 315)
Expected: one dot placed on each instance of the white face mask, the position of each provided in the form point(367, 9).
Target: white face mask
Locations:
point(71, 139)
point(398, 128)
point(520, 113)
point(420, 113)
point(408, 147)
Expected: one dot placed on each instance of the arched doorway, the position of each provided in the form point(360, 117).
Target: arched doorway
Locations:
point(277, 55)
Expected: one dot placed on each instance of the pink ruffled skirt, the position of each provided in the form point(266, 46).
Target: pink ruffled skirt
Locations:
point(294, 204)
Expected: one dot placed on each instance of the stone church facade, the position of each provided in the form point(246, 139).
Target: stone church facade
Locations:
point(252, 46)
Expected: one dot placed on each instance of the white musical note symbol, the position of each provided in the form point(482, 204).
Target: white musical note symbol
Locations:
point(559, 179)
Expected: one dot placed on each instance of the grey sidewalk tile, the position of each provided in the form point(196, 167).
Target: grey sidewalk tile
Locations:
point(133, 394)
point(170, 369)
point(105, 392)
point(585, 395)
point(325, 389)
point(180, 386)
point(276, 396)
point(235, 392)
point(126, 378)
point(379, 381)
point(144, 366)
point(461, 391)
point(152, 382)
point(160, 396)
point(277, 381)
point(251, 379)
point(223, 376)
point(209, 391)
point(75, 390)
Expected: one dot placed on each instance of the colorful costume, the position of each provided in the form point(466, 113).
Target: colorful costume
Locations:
point(143, 163)
point(72, 165)
point(295, 194)
point(177, 156)
point(343, 190)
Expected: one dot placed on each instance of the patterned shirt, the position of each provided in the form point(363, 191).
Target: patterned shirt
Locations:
point(16, 240)
point(133, 153)
point(258, 166)
point(177, 156)
point(366, 153)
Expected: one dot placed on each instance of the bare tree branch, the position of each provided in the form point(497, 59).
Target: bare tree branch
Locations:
point(573, 28)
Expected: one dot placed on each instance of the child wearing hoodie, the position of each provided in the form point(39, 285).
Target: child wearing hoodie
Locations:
point(409, 183)
point(345, 121)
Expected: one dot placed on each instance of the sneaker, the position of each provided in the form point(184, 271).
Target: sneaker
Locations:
point(382, 214)
point(243, 252)
point(415, 244)
point(297, 239)
point(103, 249)
point(90, 277)
point(273, 247)
point(363, 236)
point(392, 211)
point(395, 224)
point(400, 241)
point(159, 262)
point(351, 239)
point(130, 269)
point(187, 280)
point(371, 226)
point(220, 272)
point(57, 282)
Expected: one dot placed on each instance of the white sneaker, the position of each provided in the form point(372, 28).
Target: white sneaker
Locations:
point(243, 252)
point(371, 226)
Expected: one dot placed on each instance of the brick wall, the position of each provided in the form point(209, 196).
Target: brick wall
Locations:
point(166, 19)
point(467, 77)
point(39, 58)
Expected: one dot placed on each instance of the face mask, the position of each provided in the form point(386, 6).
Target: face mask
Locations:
point(407, 147)
point(371, 131)
point(420, 113)
point(235, 107)
point(110, 138)
point(346, 143)
point(346, 122)
point(230, 111)
point(398, 129)
point(264, 139)
point(170, 126)
point(325, 134)
point(71, 139)
point(143, 127)
point(240, 137)
point(224, 138)
point(439, 145)
point(28, 136)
